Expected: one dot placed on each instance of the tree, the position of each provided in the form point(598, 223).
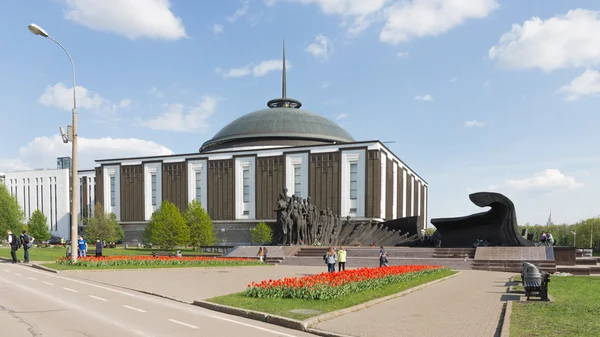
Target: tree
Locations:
point(103, 226)
point(200, 225)
point(167, 227)
point(38, 226)
point(262, 233)
point(11, 215)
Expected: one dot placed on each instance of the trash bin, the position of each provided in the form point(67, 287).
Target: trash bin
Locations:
point(531, 273)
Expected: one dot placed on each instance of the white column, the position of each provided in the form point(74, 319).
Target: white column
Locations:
point(291, 161)
point(241, 164)
point(110, 172)
point(395, 192)
point(404, 184)
point(201, 167)
point(383, 184)
point(412, 196)
point(348, 158)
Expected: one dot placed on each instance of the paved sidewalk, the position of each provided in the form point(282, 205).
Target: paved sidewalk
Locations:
point(467, 305)
point(189, 284)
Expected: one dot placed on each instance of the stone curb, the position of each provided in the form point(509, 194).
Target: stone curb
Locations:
point(505, 330)
point(255, 315)
point(330, 315)
point(40, 267)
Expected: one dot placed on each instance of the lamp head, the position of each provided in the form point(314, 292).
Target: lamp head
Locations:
point(37, 30)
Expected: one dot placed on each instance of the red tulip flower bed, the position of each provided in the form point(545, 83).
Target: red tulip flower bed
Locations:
point(326, 286)
point(117, 261)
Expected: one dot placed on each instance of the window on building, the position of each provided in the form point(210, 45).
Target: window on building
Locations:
point(55, 207)
point(51, 206)
point(42, 192)
point(246, 175)
point(113, 191)
point(37, 193)
point(154, 190)
point(353, 181)
point(199, 186)
point(28, 199)
point(297, 180)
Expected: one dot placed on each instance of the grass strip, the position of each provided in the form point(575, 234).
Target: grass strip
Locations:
point(573, 312)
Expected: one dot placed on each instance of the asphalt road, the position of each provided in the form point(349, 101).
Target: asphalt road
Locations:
point(37, 303)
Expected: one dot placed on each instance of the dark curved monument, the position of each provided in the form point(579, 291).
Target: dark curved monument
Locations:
point(498, 225)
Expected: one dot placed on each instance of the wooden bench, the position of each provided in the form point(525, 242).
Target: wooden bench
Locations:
point(536, 286)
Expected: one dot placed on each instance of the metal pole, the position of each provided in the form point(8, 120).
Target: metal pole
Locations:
point(74, 176)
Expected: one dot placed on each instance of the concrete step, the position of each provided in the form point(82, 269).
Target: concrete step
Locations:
point(585, 261)
point(360, 262)
point(583, 271)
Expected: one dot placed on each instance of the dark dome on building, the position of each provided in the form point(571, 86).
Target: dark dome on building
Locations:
point(278, 126)
point(283, 124)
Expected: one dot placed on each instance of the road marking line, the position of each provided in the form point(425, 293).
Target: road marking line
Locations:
point(98, 298)
point(167, 303)
point(252, 326)
point(48, 283)
point(132, 308)
point(69, 289)
point(31, 278)
point(184, 324)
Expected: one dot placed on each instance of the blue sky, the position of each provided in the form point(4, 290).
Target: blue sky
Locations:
point(499, 95)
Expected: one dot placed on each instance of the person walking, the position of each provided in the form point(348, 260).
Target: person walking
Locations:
point(383, 261)
point(26, 242)
point(330, 258)
point(265, 251)
point(14, 243)
point(260, 254)
point(341, 259)
point(82, 247)
point(98, 248)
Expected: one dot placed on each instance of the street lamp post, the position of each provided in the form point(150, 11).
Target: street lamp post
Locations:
point(574, 238)
point(35, 29)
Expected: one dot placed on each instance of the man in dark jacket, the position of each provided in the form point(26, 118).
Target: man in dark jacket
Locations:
point(14, 242)
point(26, 242)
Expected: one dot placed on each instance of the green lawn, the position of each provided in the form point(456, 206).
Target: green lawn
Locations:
point(282, 307)
point(51, 254)
point(574, 311)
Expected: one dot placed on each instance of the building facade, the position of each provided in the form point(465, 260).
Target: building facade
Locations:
point(46, 190)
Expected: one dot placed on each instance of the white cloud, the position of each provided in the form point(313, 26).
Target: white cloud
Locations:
point(426, 97)
point(549, 180)
point(474, 123)
point(341, 116)
point(402, 54)
point(131, 18)
point(61, 97)
point(240, 12)
point(258, 70)
point(325, 85)
point(155, 92)
point(321, 48)
point(42, 152)
point(237, 72)
point(357, 14)
point(176, 117)
point(217, 29)
point(420, 18)
point(585, 84)
point(562, 41)
point(266, 67)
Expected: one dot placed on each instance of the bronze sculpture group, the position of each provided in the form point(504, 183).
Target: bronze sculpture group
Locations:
point(300, 223)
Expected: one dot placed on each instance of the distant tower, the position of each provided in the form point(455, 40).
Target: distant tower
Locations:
point(549, 223)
